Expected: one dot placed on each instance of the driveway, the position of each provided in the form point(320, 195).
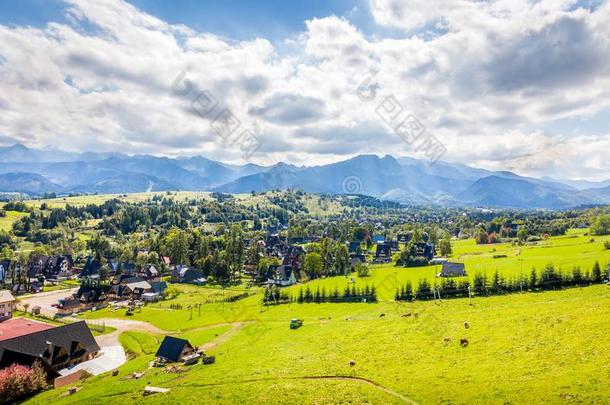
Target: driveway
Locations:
point(110, 358)
point(46, 300)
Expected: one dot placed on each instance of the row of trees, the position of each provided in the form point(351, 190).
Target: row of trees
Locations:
point(549, 278)
point(275, 296)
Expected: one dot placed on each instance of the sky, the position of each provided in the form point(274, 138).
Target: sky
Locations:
point(517, 85)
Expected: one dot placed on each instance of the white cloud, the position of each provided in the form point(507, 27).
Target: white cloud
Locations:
point(490, 77)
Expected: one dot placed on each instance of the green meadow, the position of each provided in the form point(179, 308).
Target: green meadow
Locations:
point(6, 223)
point(554, 343)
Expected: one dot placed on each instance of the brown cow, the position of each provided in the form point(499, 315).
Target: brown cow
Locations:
point(463, 342)
point(466, 325)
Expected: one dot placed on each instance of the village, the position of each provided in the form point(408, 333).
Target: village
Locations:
point(65, 346)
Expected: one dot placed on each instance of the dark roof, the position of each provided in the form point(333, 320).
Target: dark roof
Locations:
point(51, 346)
point(453, 270)
point(158, 286)
point(91, 268)
point(171, 348)
point(383, 249)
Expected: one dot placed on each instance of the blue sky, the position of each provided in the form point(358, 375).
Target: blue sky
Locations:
point(503, 84)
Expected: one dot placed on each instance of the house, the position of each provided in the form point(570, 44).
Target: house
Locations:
point(7, 305)
point(185, 274)
point(117, 267)
point(394, 246)
point(129, 288)
point(281, 276)
point(24, 341)
point(292, 256)
point(87, 297)
point(404, 237)
point(91, 269)
point(156, 292)
point(58, 267)
point(453, 270)
point(427, 250)
point(383, 253)
point(378, 239)
point(354, 248)
point(36, 266)
point(174, 349)
point(149, 272)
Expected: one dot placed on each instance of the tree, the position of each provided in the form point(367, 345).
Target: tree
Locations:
point(176, 245)
point(99, 245)
point(522, 234)
point(314, 264)
point(445, 247)
point(234, 243)
point(601, 225)
point(481, 237)
point(596, 273)
point(341, 259)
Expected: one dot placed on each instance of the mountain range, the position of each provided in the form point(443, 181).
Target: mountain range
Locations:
point(407, 180)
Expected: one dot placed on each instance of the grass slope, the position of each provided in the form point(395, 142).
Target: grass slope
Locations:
point(524, 348)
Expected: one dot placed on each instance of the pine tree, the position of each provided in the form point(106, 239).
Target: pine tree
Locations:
point(596, 273)
point(480, 284)
point(533, 279)
point(409, 291)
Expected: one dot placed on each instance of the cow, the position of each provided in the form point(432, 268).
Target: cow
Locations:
point(463, 342)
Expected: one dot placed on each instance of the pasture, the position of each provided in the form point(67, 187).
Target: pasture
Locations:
point(6, 223)
point(554, 343)
point(565, 252)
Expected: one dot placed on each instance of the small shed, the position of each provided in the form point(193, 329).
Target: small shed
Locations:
point(453, 270)
point(174, 349)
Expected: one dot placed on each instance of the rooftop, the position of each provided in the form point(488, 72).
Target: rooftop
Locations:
point(16, 327)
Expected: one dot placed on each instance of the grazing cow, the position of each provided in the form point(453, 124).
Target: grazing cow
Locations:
point(466, 325)
point(463, 342)
point(382, 315)
point(416, 315)
point(352, 363)
point(447, 339)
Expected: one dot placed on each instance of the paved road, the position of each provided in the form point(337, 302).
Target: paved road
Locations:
point(46, 300)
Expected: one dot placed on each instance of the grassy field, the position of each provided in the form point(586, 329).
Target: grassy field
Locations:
point(6, 223)
point(565, 252)
point(526, 348)
point(61, 202)
point(546, 347)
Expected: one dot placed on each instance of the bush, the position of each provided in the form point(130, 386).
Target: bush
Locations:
point(17, 382)
point(362, 270)
point(171, 292)
point(607, 245)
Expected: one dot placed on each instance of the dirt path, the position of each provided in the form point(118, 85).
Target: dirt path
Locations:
point(122, 325)
point(235, 327)
point(361, 380)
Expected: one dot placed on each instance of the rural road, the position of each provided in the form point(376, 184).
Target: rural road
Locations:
point(46, 300)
